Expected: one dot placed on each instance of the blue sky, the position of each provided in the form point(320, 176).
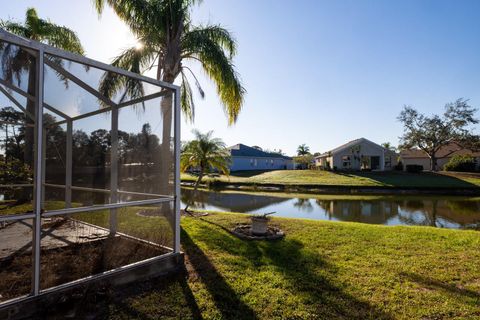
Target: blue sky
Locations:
point(316, 72)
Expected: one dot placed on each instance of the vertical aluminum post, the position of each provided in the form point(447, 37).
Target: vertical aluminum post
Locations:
point(38, 172)
point(44, 156)
point(114, 170)
point(68, 166)
point(176, 246)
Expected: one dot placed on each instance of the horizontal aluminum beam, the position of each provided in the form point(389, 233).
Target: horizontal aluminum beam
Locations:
point(61, 186)
point(13, 217)
point(18, 185)
point(105, 207)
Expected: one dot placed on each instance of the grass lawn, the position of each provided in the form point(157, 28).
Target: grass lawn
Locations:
point(316, 177)
point(321, 270)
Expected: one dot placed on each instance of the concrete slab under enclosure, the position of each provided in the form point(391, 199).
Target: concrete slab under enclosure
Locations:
point(65, 224)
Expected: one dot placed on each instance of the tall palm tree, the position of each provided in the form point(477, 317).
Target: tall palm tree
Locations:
point(303, 150)
point(204, 154)
point(169, 39)
point(16, 62)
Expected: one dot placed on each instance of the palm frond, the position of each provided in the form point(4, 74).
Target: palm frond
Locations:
point(214, 33)
point(134, 60)
point(220, 69)
point(186, 102)
point(15, 27)
point(60, 37)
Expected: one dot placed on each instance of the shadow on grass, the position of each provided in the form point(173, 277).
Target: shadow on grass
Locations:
point(310, 276)
point(226, 299)
point(168, 297)
point(406, 179)
point(247, 173)
point(430, 283)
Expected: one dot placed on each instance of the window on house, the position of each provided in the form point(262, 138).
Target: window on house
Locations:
point(346, 163)
point(271, 162)
point(254, 162)
point(251, 162)
point(388, 162)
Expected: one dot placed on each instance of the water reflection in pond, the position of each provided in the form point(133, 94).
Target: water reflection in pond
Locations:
point(445, 212)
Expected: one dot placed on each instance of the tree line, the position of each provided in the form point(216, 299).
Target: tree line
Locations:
point(88, 149)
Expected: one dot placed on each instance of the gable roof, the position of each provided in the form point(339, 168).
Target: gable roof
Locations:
point(351, 144)
point(241, 150)
point(444, 152)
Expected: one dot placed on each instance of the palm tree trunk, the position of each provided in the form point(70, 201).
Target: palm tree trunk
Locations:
point(29, 130)
point(166, 167)
point(29, 150)
point(195, 189)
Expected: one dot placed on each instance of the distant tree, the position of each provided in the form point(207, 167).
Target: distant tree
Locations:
point(11, 146)
point(204, 154)
point(16, 62)
point(430, 134)
point(389, 146)
point(303, 150)
point(303, 162)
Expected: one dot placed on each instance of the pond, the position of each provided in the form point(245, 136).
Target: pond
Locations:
point(438, 211)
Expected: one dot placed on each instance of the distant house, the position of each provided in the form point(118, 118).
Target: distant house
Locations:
point(359, 154)
point(419, 157)
point(249, 158)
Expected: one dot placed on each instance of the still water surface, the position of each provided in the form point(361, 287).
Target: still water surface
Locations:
point(444, 212)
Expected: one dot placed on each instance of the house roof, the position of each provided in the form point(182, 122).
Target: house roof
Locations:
point(447, 151)
point(241, 150)
point(349, 145)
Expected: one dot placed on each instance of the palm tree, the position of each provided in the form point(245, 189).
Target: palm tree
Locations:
point(204, 154)
point(16, 62)
point(168, 39)
point(388, 146)
point(303, 150)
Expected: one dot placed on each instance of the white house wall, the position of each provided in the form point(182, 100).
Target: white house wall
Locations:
point(366, 149)
point(254, 163)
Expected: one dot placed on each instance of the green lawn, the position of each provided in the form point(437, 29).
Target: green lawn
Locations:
point(327, 178)
point(321, 270)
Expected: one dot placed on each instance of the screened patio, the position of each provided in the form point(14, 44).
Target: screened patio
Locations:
point(89, 180)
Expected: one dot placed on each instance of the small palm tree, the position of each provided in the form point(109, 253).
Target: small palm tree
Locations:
point(169, 39)
point(205, 154)
point(303, 150)
point(388, 146)
point(17, 62)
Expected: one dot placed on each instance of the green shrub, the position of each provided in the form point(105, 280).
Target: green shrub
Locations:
point(413, 168)
point(398, 166)
point(461, 163)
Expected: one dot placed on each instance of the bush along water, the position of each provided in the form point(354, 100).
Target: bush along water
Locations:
point(461, 163)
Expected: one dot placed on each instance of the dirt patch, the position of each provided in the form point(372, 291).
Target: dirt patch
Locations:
point(63, 264)
point(244, 231)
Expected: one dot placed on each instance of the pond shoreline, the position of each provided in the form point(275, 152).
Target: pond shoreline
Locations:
point(336, 189)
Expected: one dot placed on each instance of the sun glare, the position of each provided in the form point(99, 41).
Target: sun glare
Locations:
point(139, 45)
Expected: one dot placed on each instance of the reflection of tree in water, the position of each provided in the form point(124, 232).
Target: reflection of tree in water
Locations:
point(441, 213)
point(196, 200)
point(303, 204)
point(237, 202)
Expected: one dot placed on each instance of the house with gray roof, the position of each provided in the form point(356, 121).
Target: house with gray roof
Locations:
point(358, 154)
point(254, 158)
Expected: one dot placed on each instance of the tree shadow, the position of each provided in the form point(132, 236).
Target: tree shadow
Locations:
point(247, 173)
point(164, 297)
point(308, 273)
point(431, 283)
point(226, 299)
